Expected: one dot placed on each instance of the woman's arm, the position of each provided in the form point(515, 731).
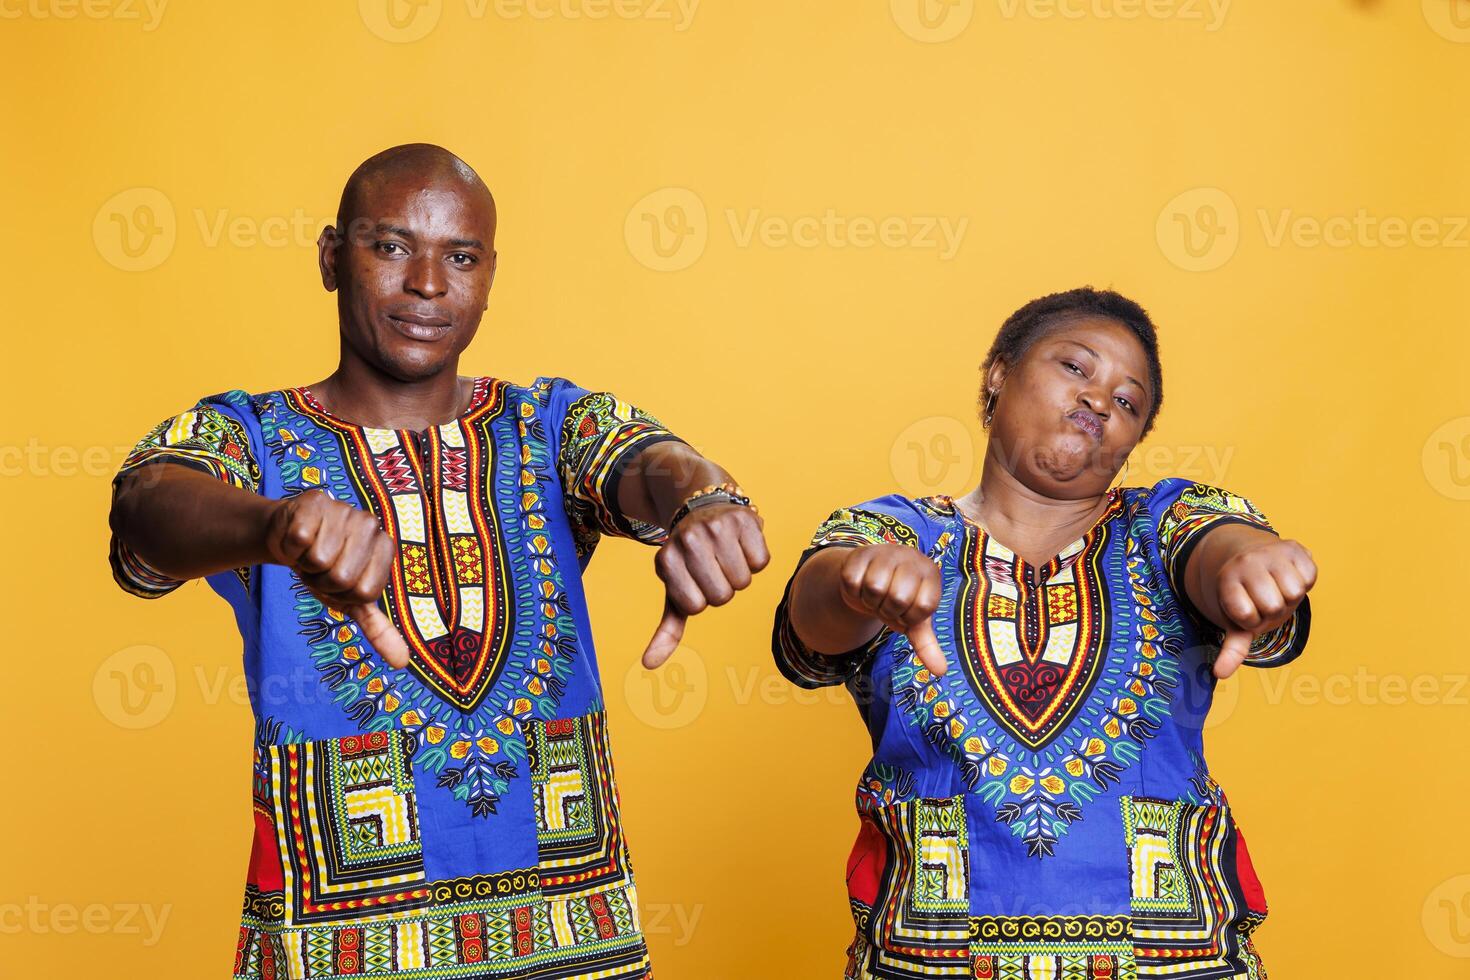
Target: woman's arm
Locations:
point(842, 597)
point(1246, 581)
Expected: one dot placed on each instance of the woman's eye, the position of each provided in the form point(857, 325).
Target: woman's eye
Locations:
point(1126, 404)
point(1072, 367)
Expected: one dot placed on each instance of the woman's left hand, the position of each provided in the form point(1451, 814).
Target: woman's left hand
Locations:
point(1258, 589)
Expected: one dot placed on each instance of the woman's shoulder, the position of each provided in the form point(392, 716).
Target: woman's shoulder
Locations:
point(892, 518)
point(913, 509)
point(1191, 493)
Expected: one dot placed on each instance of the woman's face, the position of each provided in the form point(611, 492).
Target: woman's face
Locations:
point(1072, 408)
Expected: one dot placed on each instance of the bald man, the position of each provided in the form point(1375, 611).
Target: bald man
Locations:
point(402, 547)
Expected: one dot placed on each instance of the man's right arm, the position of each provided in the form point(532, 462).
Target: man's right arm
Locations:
point(188, 524)
point(185, 524)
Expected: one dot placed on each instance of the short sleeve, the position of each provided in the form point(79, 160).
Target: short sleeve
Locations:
point(211, 437)
point(596, 435)
point(1183, 511)
point(885, 520)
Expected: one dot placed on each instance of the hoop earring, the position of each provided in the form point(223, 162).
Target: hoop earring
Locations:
point(1126, 464)
point(989, 410)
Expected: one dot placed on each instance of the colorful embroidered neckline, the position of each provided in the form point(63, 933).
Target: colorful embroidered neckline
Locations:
point(305, 402)
point(999, 556)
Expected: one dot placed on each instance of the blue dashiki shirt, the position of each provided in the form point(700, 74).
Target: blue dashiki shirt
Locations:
point(458, 817)
point(1044, 809)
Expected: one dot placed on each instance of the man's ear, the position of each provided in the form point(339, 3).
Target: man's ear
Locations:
point(326, 256)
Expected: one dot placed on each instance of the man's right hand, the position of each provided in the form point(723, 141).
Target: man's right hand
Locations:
point(343, 557)
point(900, 588)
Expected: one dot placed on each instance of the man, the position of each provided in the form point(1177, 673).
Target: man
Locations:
point(433, 791)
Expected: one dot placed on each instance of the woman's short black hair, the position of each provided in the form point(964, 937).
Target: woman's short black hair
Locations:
point(1034, 320)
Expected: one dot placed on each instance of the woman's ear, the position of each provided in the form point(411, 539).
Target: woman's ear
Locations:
point(996, 376)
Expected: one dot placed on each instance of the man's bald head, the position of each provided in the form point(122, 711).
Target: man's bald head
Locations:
point(411, 258)
point(421, 163)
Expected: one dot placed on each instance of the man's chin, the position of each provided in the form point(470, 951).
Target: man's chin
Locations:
point(415, 364)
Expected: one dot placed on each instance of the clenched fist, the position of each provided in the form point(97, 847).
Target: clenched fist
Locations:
point(343, 557)
point(900, 588)
point(710, 555)
point(1259, 588)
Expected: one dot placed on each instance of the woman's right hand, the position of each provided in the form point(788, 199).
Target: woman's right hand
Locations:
point(900, 588)
point(344, 557)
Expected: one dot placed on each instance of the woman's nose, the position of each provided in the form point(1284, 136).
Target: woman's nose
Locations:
point(1095, 400)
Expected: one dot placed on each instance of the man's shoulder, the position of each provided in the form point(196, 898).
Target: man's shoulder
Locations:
point(547, 389)
point(232, 401)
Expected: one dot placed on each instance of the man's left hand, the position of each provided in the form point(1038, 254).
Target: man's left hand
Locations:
point(711, 554)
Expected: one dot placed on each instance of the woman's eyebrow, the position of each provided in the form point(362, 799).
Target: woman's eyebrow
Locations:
point(1078, 343)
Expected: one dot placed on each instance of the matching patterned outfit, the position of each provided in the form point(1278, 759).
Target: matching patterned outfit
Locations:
point(456, 818)
point(1043, 811)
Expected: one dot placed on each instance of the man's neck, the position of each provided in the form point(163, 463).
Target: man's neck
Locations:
point(362, 394)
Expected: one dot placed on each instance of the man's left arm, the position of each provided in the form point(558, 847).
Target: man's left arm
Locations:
point(624, 473)
point(715, 542)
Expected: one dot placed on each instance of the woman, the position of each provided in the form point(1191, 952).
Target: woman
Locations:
point(1034, 661)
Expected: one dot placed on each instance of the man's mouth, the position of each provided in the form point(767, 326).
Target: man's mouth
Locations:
point(420, 326)
point(1088, 422)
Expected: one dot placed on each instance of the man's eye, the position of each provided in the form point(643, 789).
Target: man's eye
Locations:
point(468, 259)
point(385, 247)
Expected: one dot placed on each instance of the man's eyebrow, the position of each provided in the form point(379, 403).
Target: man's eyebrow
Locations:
point(1069, 340)
point(384, 228)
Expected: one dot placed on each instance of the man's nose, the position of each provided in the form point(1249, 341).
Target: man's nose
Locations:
point(425, 277)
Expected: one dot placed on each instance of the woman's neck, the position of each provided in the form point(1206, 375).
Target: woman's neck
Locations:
point(1031, 524)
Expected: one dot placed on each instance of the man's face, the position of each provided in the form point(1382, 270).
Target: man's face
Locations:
point(412, 271)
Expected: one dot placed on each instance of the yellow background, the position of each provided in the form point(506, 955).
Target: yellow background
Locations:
point(1327, 382)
